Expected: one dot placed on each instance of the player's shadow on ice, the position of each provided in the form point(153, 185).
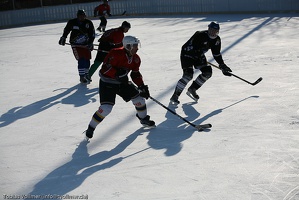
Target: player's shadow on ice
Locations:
point(72, 174)
point(170, 134)
point(77, 95)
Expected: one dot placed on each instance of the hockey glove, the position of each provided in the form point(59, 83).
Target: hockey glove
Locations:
point(90, 46)
point(144, 92)
point(225, 69)
point(122, 76)
point(62, 41)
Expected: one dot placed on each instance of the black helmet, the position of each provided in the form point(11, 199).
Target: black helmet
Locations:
point(213, 30)
point(214, 25)
point(126, 24)
point(81, 12)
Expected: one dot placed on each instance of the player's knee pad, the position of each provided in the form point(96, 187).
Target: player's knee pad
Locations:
point(207, 75)
point(207, 72)
point(105, 109)
point(188, 74)
point(201, 62)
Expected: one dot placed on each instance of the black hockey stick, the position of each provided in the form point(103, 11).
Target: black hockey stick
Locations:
point(254, 83)
point(80, 46)
point(117, 15)
point(199, 127)
point(121, 14)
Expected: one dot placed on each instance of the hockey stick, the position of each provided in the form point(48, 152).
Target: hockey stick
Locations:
point(199, 127)
point(254, 83)
point(121, 14)
point(80, 46)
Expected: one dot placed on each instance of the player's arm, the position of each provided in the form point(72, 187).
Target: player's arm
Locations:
point(109, 11)
point(137, 78)
point(95, 11)
point(66, 31)
point(218, 57)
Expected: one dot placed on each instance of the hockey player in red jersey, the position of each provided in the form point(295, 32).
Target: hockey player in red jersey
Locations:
point(118, 64)
point(81, 40)
point(193, 55)
point(103, 10)
point(109, 40)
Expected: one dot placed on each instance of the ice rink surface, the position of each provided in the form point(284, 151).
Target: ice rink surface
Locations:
point(251, 152)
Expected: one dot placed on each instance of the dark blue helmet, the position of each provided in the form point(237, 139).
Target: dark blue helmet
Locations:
point(213, 30)
point(81, 12)
point(214, 25)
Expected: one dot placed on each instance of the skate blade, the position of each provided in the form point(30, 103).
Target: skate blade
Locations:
point(87, 139)
point(174, 103)
point(190, 95)
point(147, 126)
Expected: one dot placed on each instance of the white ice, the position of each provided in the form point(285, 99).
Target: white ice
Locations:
point(251, 153)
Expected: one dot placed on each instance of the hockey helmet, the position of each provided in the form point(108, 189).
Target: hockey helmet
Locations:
point(213, 30)
point(130, 41)
point(81, 12)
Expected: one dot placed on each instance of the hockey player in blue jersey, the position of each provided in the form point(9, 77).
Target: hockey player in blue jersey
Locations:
point(81, 40)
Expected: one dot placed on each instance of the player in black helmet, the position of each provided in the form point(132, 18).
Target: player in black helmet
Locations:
point(193, 57)
point(81, 40)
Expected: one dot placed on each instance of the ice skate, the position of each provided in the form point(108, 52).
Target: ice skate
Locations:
point(83, 80)
point(146, 121)
point(89, 133)
point(99, 29)
point(175, 99)
point(88, 78)
point(192, 94)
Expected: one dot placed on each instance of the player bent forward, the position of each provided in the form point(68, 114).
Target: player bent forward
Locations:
point(114, 81)
point(193, 55)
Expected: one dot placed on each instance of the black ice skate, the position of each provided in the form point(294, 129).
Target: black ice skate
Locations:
point(83, 80)
point(175, 99)
point(88, 78)
point(89, 133)
point(146, 121)
point(192, 94)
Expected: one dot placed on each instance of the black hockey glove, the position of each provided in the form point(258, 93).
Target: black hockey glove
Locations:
point(225, 69)
point(144, 92)
point(122, 76)
point(62, 41)
point(90, 46)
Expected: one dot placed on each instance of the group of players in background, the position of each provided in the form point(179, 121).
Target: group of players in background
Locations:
point(117, 55)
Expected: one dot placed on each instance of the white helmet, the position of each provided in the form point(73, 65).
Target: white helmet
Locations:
point(129, 41)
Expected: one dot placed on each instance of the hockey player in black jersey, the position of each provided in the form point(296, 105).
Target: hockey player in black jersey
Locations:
point(193, 56)
point(81, 39)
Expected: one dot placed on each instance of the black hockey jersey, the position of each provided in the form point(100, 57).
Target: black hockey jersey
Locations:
point(82, 32)
point(200, 43)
